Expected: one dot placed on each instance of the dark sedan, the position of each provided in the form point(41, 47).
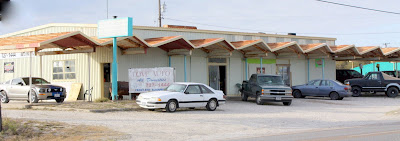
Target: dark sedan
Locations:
point(322, 88)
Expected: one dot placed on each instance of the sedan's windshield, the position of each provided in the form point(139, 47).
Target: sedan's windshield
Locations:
point(35, 81)
point(176, 88)
point(270, 80)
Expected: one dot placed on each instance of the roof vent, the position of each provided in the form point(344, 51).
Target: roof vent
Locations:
point(179, 26)
point(294, 34)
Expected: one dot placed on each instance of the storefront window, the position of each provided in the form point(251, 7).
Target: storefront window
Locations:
point(64, 70)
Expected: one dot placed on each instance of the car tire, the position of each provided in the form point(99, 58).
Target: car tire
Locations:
point(334, 96)
point(258, 99)
point(287, 103)
point(60, 100)
point(340, 98)
point(244, 96)
point(4, 97)
point(212, 104)
point(171, 106)
point(297, 94)
point(392, 92)
point(34, 97)
point(356, 91)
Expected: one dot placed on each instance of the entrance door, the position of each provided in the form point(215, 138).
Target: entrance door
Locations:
point(284, 71)
point(217, 77)
point(107, 79)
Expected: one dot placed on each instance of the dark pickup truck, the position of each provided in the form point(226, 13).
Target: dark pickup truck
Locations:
point(375, 82)
point(266, 88)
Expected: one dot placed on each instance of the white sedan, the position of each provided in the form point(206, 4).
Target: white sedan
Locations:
point(180, 95)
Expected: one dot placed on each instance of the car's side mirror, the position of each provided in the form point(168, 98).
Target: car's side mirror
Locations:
point(186, 92)
point(20, 83)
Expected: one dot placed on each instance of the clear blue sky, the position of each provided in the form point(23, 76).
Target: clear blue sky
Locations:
point(304, 17)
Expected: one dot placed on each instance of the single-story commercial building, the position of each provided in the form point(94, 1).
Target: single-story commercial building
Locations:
point(71, 53)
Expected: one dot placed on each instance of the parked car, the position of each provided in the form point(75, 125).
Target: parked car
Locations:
point(375, 82)
point(322, 88)
point(343, 74)
point(266, 88)
point(392, 73)
point(18, 89)
point(180, 95)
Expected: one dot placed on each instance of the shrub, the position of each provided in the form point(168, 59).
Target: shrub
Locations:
point(102, 100)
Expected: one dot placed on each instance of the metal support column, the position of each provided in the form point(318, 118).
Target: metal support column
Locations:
point(90, 92)
point(246, 68)
point(184, 61)
point(308, 69)
point(114, 71)
point(373, 65)
point(261, 70)
point(30, 78)
point(323, 68)
point(169, 61)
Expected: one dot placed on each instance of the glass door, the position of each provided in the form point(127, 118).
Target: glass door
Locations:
point(284, 71)
point(214, 77)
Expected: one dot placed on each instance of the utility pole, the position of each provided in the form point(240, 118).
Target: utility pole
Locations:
point(107, 8)
point(159, 13)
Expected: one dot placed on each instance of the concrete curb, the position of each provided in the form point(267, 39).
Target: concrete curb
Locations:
point(80, 110)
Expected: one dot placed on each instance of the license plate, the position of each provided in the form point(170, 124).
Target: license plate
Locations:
point(278, 98)
point(56, 95)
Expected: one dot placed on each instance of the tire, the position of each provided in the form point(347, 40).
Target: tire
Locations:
point(287, 103)
point(172, 105)
point(34, 97)
point(4, 97)
point(212, 104)
point(340, 98)
point(244, 96)
point(334, 96)
point(60, 100)
point(297, 94)
point(356, 91)
point(258, 99)
point(392, 92)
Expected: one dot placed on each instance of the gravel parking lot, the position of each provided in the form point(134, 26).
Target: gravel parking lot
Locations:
point(235, 120)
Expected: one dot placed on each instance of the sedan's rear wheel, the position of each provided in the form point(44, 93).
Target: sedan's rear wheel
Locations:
point(334, 96)
point(172, 105)
point(392, 92)
point(4, 97)
point(212, 105)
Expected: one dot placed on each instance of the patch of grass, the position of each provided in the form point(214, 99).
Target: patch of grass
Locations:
point(95, 105)
point(102, 100)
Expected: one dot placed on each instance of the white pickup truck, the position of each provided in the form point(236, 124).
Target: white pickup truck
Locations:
point(18, 89)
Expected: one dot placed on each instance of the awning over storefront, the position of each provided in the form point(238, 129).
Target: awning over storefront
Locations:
point(128, 45)
point(319, 49)
point(252, 48)
point(391, 52)
point(49, 44)
point(285, 47)
point(174, 45)
point(215, 47)
point(344, 52)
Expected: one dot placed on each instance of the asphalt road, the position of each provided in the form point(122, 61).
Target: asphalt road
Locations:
point(377, 132)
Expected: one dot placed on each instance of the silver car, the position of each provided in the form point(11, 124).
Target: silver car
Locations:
point(18, 89)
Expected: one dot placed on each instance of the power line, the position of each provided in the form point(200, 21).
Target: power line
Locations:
point(359, 7)
point(280, 31)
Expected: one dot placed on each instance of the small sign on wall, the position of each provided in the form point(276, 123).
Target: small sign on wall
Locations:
point(8, 67)
point(319, 63)
point(258, 70)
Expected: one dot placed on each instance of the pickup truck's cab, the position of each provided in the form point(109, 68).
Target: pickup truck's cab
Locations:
point(266, 88)
point(375, 82)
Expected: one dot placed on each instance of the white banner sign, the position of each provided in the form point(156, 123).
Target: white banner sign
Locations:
point(15, 55)
point(150, 79)
point(110, 28)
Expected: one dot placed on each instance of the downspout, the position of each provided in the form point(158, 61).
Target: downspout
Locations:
point(261, 70)
point(169, 61)
point(184, 61)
